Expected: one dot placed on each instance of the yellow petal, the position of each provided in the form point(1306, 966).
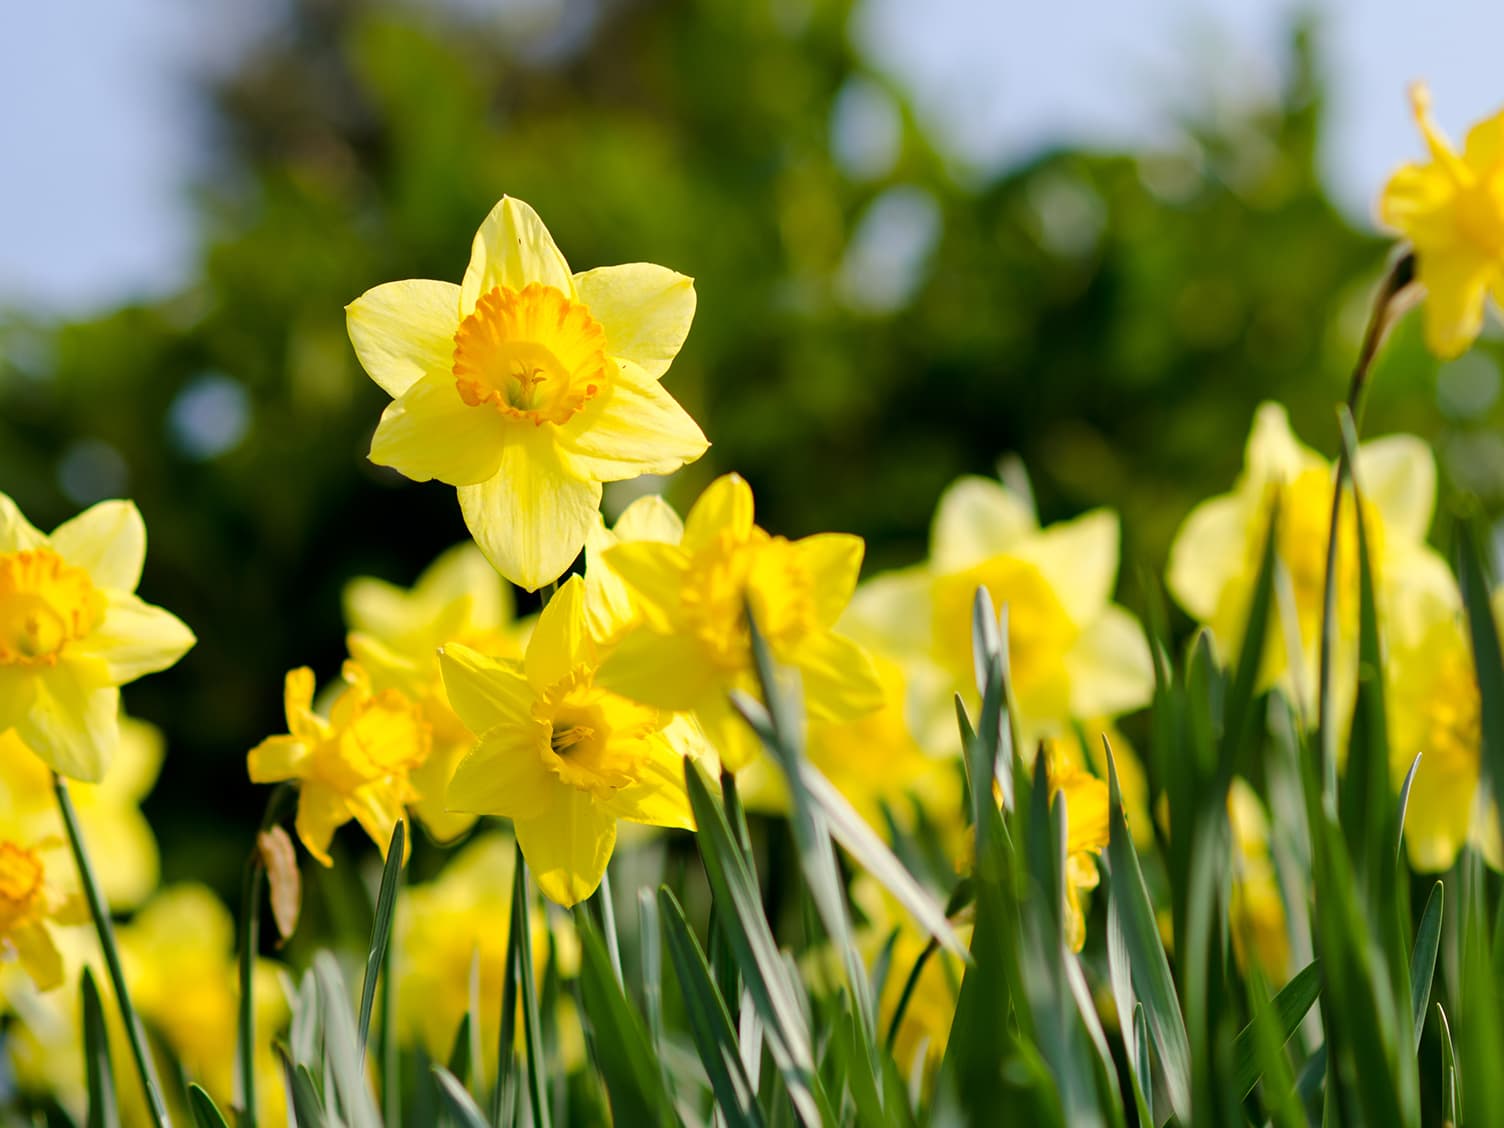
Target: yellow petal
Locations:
point(646, 311)
point(840, 679)
point(38, 954)
point(108, 541)
point(658, 798)
point(124, 852)
point(74, 727)
point(512, 248)
point(561, 644)
point(1109, 666)
point(277, 758)
point(1080, 561)
point(135, 638)
point(429, 432)
point(532, 518)
point(568, 850)
point(321, 811)
point(16, 532)
point(1210, 550)
point(1456, 282)
point(378, 808)
point(505, 775)
point(377, 608)
point(654, 574)
point(728, 733)
point(138, 762)
point(484, 691)
point(666, 671)
point(1397, 475)
point(892, 611)
point(431, 780)
point(1273, 453)
point(462, 573)
point(725, 506)
point(634, 428)
point(1417, 202)
point(649, 518)
point(403, 331)
point(834, 560)
point(18, 689)
point(976, 520)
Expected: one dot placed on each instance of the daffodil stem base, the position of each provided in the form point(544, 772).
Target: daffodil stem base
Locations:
point(101, 913)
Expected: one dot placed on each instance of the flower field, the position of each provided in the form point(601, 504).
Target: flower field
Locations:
point(672, 818)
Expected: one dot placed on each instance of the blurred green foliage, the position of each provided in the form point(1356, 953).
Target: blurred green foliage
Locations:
point(873, 321)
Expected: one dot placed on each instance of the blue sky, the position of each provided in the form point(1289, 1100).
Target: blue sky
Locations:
point(101, 133)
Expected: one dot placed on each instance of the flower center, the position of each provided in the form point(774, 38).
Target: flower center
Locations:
point(21, 875)
point(531, 354)
point(371, 738)
point(45, 603)
point(594, 737)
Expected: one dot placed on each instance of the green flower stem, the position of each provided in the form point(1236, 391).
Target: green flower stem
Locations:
point(250, 932)
point(101, 914)
point(608, 922)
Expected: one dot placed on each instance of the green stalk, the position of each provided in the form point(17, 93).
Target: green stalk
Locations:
point(250, 932)
point(608, 923)
point(101, 914)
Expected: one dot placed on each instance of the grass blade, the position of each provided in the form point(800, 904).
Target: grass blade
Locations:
point(461, 1105)
point(522, 972)
point(346, 1068)
point(307, 1110)
point(618, 1038)
point(104, 1107)
point(1289, 1009)
point(381, 928)
point(206, 1113)
point(1423, 956)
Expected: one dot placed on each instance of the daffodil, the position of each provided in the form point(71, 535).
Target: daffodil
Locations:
point(560, 755)
point(395, 635)
point(123, 847)
point(355, 764)
point(1086, 834)
point(1214, 560)
point(459, 921)
point(1451, 208)
point(527, 386)
point(1256, 913)
point(179, 956)
point(1072, 652)
point(72, 631)
point(691, 645)
point(32, 901)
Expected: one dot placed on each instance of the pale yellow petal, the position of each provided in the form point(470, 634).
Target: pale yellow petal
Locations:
point(512, 249)
point(1210, 550)
point(485, 691)
point(568, 849)
point(1079, 559)
point(431, 780)
point(138, 762)
point(430, 432)
point(654, 575)
point(1397, 475)
point(1109, 666)
point(667, 671)
point(16, 533)
point(18, 689)
point(725, 506)
point(532, 518)
point(505, 775)
point(377, 608)
point(277, 758)
point(108, 541)
point(403, 331)
point(839, 677)
point(834, 560)
point(561, 644)
point(135, 639)
point(649, 518)
point(461, 572)
point(1456, 282)
point(73, 726)
point(976, 519)
point(124, 853)
point(646, 311)
point(892, 611)
point(633, 428)
point(1273, 453)
point(38, 954)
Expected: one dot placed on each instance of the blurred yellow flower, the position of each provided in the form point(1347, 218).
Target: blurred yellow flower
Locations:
point(122, 847)
point(32, 900)
point(1451, 208)
point(458, 921)
point(356, 764)
point(1214, 560)
point(1086, 834)
point(180, 964)
point(1073, 653)
point(395, 635)
point(72, 632)
point(527, 386)
point(691, 643)
point(560, 755)
point(1256, 914)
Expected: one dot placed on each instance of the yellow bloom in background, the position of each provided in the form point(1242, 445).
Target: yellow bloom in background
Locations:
point(691, 645)
point(1088, 752)
point(608, 599)
point(122, 847)
point(180, 964)
point(32, 901)
point(395, 636)
point(1073, 653)
point(354, 764)
point(1451, 208)
point(527, 386)
point(72, 632)
point(1435, 712)
point(1256, 915)
point(559, 754)
point(1214, 560)
point(458, 921)
point(1086, 835)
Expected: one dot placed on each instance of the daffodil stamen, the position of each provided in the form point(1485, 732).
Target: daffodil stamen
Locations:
point(21, 881)
point(45, 603)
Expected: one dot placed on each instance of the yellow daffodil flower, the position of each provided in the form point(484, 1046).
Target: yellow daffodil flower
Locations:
point(395, 635)
point(691, 645)
point(72, 632)
point(32, 900)
point(1086, 834)
point(1073, 653)
point(559, 754)
point(1089, 752)
point(461, 920)
point(527, 386)
point(1256, 914)
point(1214, 560)
point(1435, 712)
point(123, 848)
point(354, 764)
point(179, 956)
point(1451, 208)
